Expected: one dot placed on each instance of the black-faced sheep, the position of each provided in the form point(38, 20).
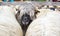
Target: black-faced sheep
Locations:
point(26, 14)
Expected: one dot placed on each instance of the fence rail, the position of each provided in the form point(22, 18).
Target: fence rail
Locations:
point(19, 3)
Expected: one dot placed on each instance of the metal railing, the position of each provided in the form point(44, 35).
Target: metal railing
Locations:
point(41, 3)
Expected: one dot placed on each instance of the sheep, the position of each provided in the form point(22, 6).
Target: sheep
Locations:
point(28, 11)
point(46, 9)
point(53, 7)
point(8, 23)
point(48, 24)
point(42, 12)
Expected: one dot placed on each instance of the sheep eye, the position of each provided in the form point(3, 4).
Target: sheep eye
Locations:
point(37, 12)
point(18, 11)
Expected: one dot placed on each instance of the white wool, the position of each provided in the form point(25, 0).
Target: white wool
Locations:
point(51, 6)
point(14, 7)
point(44, 7)
point(43, 12)
point(48, 25)
point(17, 6)
point(8, 23)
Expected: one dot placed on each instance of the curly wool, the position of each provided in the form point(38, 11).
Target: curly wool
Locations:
point(8, 23)
point(47, 25)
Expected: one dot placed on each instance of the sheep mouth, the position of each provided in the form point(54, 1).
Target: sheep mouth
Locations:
point(25, 23)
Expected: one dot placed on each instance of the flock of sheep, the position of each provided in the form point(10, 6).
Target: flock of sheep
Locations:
point(29, 19)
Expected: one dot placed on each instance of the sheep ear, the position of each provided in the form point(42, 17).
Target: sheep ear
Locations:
point(17, 14)
point(36, 12)
point(18, 10)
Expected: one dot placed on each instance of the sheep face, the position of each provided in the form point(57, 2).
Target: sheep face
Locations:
point(25, 18)
point(30, 14)
point(25, 21)
point(26, 14)
point(26, 10)
point(23, 12)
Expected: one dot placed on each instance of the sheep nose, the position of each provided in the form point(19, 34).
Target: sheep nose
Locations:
point(25, 19)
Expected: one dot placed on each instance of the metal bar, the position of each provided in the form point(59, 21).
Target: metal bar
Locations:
point(41, 3)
